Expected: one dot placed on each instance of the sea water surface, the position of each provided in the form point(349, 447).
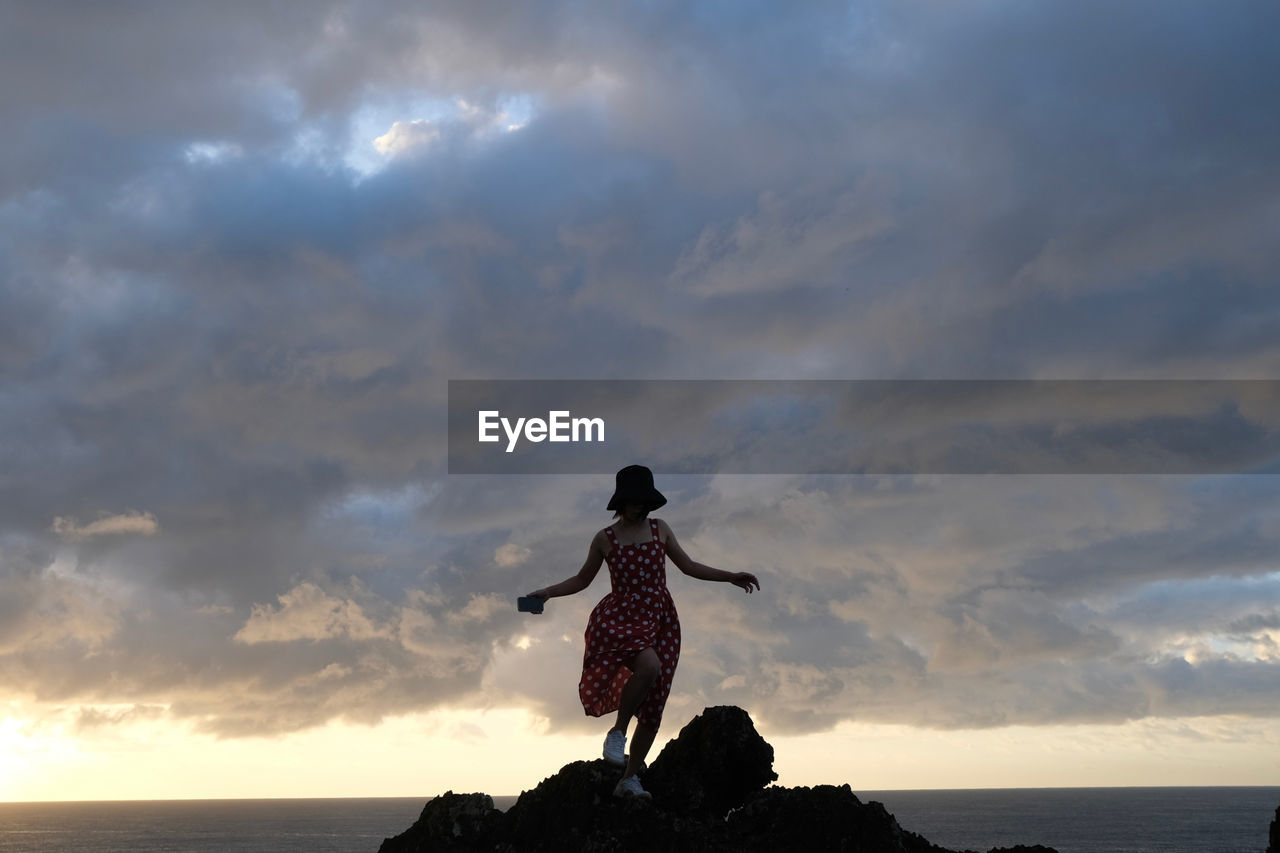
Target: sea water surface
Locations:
point(1090, 820)
point(1074, 820)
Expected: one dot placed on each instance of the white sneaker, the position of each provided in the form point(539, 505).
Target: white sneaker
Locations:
point(630, 787)
point(615, 748)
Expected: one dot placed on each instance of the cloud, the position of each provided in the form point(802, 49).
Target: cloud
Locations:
point(143, 524)
point(207, 308)
point(307, 613)
point(778, 248)
point(56, 614)
point(89, 718)
point(406, 136)
point(510, 555)
point(480, 609)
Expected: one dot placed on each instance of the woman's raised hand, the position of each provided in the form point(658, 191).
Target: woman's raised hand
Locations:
point(745, 580)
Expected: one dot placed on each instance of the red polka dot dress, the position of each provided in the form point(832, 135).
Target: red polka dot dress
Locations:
point(637, 614)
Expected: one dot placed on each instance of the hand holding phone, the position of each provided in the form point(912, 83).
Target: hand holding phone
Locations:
point(529, 604)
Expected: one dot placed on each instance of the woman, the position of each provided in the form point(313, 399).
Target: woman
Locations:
point(633, 635)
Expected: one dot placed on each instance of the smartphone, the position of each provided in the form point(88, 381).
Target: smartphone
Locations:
point(529, 604)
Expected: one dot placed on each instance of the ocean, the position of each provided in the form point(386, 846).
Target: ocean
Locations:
point(1090, 820)
point(1074, 820)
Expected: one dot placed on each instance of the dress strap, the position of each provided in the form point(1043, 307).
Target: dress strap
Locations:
point(612, 538)
point(653, 526)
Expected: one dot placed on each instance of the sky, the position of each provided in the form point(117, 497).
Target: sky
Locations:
point(245, 247)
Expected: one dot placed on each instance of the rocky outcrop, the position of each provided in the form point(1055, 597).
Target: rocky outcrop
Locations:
point(710, 795)
point(716, 761)
point(820, 818)
point(1273, 843)
point(449, 822)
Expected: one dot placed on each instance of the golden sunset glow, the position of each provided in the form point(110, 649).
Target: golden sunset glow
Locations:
point(503, 752)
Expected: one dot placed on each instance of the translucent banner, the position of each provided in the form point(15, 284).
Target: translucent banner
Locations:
point(865, 426)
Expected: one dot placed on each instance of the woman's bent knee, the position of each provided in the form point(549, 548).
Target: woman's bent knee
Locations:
point(647, 665)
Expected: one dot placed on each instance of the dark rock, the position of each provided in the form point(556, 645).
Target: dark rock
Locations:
point(563, 802)
point(709, 797)
point(712, 765)
point(576, 810)
point(1022, 848)
point(1273, 843)
point(449, 822)
point(820, 818)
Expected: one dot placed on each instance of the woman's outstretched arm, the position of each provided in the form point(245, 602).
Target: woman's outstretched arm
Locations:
point(585, 575)
point(701, 571)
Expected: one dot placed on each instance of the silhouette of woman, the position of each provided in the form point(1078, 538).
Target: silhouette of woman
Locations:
point(633, 635)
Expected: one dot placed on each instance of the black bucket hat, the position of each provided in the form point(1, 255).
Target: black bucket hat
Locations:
point(635, 486)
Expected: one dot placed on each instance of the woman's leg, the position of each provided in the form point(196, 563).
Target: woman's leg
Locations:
point(645, 669)
point(639, 748)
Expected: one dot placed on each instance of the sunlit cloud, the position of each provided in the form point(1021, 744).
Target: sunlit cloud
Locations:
point(510, 555)
point(480, 609)
point(406, 136)
point(308, 613)
point(212, 152)
point(435, 123)
point(140, 523)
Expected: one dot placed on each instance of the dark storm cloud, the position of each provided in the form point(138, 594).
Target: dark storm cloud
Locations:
point(211, 318)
